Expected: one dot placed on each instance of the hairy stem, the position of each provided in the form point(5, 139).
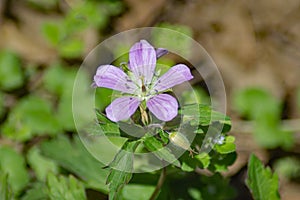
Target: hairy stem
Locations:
point(159, 184)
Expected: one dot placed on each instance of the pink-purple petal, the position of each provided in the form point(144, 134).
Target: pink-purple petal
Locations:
point(109, 76)
point(161, 52)
point(122, 108)
point(163, 106)
point(176, 75)
point(142, 60)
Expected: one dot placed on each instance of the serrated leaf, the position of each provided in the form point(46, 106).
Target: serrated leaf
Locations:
point(40, 164)
point(11, 76)
point(157, 148)
point(262, 183)
point(13, 164)
point(203, 115)
point(121, 169)
point(62, 188)
point(77, 160)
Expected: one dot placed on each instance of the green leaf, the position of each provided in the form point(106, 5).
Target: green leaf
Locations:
point(288, 167)
point(203, 115)
point(2, 108)
point(58, 79)
point(102, 98)
point(122, 167)
point(262, 183)
point(38, 191)
point(53, 32)
point(11, 75)
point(5, 192)
point(157, 148)
point(179, 43)
point(260, 106)
point(31, 116)
point(216, 187)
point(86, 14)
point(204, 158)
point(71, 48)
point(106, 126)
point(190, 163)
point(40, 164)
point(220, 162)
point(77, 160)
point(164, 136)
point(136, 191)
point(62, 188)
point(13, 164)
point(252, 102)
point(196, 95)
point(131, 130)
point(227, 147)
point(196, 194)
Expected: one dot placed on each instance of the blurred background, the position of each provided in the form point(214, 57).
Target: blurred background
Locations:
point(255, 44)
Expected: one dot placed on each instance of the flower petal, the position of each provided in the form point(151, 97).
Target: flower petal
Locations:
point(163, 106)
point(142, 60)
point(109, 76)
point(176, 75)
point(122, 108)
point(161, 52)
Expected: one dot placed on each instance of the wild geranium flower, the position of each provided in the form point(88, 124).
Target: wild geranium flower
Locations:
point(141, 85)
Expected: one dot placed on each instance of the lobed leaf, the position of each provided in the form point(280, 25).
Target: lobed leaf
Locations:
point(62, 188)
point(121, 169)
point(77, 160)
point(40, 164)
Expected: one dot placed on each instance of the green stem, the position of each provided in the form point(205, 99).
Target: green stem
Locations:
point(159, 184)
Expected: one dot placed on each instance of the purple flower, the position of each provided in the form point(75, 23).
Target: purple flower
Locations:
point(142, 84)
